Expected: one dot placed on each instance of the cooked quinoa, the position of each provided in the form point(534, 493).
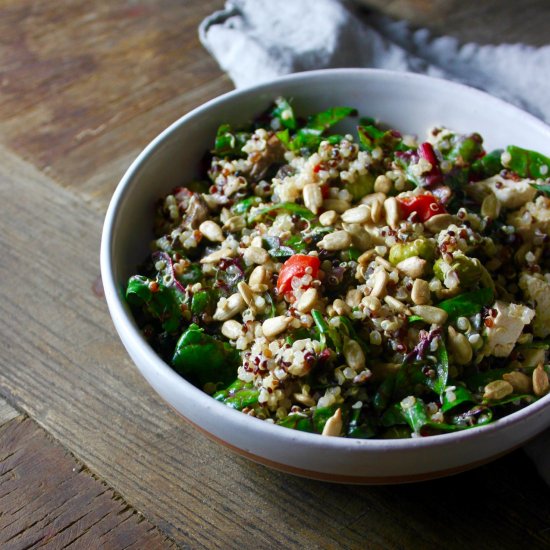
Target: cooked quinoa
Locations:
point(370, 286)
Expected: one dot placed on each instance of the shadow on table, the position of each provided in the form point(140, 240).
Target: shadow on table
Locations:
point(500, 505)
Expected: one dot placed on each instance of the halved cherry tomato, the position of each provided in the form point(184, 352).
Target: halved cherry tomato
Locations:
point(296, 266)
point(425, 206)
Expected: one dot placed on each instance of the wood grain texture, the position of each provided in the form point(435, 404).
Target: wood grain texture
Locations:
point(48, 499)
point(7, 412)
point(486, 22)
point(83, 86)
point(68, 370)
point(81, 106)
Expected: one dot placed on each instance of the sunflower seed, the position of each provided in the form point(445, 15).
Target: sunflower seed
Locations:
point(497, 389)
point(540, 381)
point(338, 240)
point(431, 314)
point(274, 326)
point(333, 427)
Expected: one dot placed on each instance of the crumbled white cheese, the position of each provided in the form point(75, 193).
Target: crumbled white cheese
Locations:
point(510, 193)
point(507, 327)
point(538, 290)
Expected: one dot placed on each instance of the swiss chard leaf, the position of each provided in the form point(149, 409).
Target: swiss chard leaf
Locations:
point(383, 394)
point(488, 165)
point(290, 207)
point(245, 205)
point(360, 424)
point(414, 319)
point(306, 138)
point(229, 142)
point(509, 399)
point(542, 187)
point(314, 131)
point(528, 164)
point(370, 137)
point(296, 242)
point(467, 304)
point(204, 301)
point(238, 395)
point(481, 379)
point(329, 335)
point(460, 396)
point(163, 304)
point(324, 120)
point(467, 148)
point(284, 113)
point(312, 421)
point(415, 414)
point(201, 359)
point(439, 383)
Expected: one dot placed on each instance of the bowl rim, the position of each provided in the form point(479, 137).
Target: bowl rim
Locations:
point(131, 336)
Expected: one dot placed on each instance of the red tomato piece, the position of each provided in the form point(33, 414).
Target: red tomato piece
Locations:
point(426, 151)
point(424, 206)
point(296, 266)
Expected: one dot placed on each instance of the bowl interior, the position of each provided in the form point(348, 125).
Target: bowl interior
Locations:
point(410, 103)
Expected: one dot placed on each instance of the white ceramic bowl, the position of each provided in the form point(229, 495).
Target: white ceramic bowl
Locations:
point(408, 102)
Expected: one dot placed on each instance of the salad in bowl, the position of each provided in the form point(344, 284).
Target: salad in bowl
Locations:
point(369, 285)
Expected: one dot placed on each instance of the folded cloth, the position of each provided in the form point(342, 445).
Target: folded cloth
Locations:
point(257, 40)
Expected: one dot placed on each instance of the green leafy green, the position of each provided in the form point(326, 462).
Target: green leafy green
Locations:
point(488, 165)
point(528, 164)
point(465, 148)
point(290, 207)
point(384, 393)
point(245, 205)
point(229, 142)
point(415, 414)
point(461, 395)
point(326, 119)
point(481, 379)
point(312, 421)
point(203, 301)
point(296, 242)
point(542, 187)
point(238, 395)
point(361, 424)
point(329, 336)
point(310, 135)
point(439, 383)
point(467, 304)
point(284, 113)
point(414, 319)
point(191, 275)
point(201, 358)
point(370, 137)
point(162, 304)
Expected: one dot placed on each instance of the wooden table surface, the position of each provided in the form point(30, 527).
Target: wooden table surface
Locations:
point(90, 457)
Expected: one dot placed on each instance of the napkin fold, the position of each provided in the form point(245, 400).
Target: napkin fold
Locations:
point(258, 40)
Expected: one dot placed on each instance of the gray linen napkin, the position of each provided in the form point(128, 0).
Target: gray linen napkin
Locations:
point(257, 40)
